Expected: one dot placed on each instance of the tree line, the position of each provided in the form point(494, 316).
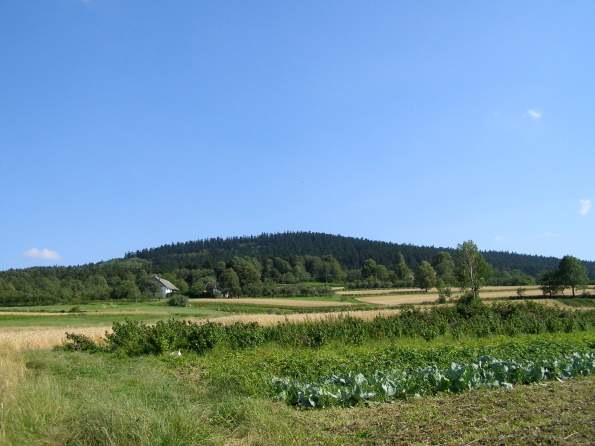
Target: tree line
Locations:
point(508, 268)
point(131, 278)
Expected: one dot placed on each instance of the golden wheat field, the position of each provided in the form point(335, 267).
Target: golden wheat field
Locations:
point(401, 298)
point(372, 291)
point(274, 302)
point(29, 338)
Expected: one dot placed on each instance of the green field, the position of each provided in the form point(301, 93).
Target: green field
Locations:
point(225, 392)
point(60, 397)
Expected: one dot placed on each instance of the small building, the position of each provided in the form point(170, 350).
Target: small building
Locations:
point(165, 286)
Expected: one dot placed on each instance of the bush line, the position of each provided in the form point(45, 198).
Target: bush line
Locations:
point(476, 320)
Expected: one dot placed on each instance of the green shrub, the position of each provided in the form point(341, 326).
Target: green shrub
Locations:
point(466, 319)
point(178, 300)
point(202, 338)
point(242, 335)
point(79, 342)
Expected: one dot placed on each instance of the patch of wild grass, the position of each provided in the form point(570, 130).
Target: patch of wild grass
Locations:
point(73, 398)
point(81, 399)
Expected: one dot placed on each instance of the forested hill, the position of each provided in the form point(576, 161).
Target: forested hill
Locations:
point(290, 263)
point(351, 252)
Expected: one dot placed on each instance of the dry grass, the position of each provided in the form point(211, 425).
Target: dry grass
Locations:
point(28, 338)
point(272, 319)
point(402, 298)
point(275, 302)
point(371, 292)
point(12, 369)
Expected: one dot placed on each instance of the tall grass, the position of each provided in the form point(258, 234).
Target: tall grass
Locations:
point(221, 397)
point(57, 398)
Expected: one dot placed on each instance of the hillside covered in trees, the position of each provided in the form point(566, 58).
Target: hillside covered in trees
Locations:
point(351, 252)
point(292, 263)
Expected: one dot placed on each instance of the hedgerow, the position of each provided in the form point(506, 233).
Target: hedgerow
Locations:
point(138, 338)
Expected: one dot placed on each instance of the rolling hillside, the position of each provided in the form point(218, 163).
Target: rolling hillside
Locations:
point(351, 252)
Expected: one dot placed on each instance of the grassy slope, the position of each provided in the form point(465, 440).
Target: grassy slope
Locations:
point(56, 398)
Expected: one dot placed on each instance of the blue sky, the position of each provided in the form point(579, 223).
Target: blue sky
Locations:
point(129, 124)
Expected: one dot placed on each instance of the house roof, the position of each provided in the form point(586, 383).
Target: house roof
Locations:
point(166, 283)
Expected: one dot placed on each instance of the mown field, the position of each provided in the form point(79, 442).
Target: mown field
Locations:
point(357, 373)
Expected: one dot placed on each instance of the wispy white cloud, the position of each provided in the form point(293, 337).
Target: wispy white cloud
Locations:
point(45, 254)
point(585, 206)
point(533, 114)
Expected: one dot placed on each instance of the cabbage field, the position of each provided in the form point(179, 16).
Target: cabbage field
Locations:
point(384, 385)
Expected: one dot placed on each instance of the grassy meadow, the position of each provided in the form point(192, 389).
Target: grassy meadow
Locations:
point(225, 394)
point(223, 397)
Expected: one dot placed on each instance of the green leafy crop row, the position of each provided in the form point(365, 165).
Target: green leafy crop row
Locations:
point(385, 385)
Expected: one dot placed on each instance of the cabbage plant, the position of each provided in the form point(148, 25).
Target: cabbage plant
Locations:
point(352, 388)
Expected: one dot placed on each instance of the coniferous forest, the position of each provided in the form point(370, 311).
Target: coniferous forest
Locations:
point(284, 264)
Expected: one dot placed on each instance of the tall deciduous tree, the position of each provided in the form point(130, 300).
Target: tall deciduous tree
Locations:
point(369, 268)
point(471, 268)
point(425, 276)
point(444, 266)
point(230, 282)
point(550, 283)
point(572, 273)
point(404, 273)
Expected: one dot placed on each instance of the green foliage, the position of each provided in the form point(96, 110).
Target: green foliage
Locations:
point(385, 385)
point(444, 266)
point(551, 284)
point(281, 259)
point(271, 289)
point(572, 273)
point(470, 305)
point(471, 267)
point(178, 300)
point(469, 318)
point(444, 292)
point(126, 289)
point(403, 272)
point(425, 276)
point(79, 342)
point(229, 282)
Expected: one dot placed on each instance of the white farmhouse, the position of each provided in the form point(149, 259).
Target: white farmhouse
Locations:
point(165, 286)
